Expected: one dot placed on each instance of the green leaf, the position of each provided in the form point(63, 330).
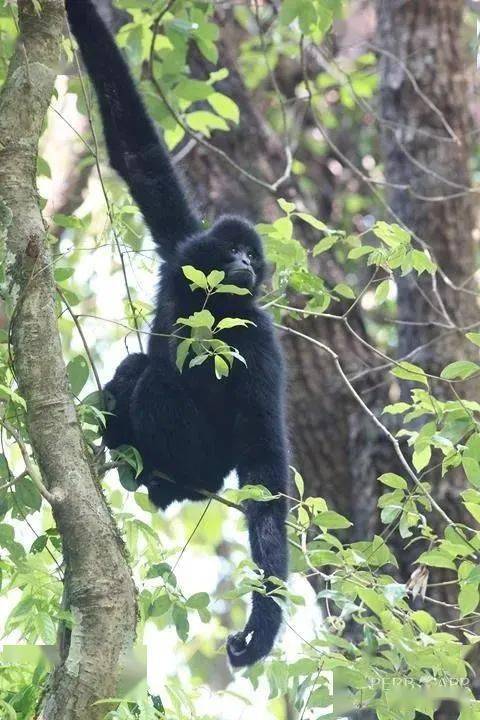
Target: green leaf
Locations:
point(408, 371)
point(474, 338)
point(332, 520)
point(381, 293)
point(474, 509)
point(228, 323)
point(468, 599)
point(224, 106)
point(232, 290)
point(27, 494)
point(68, 221)
point(215, 278)
point(193, 90)
point(198, 600)
point(182, 352)
point(358, 252)
point(46, 628)
point(396, 409)
point(298, 480)
point(126, 476)
point(344, 290)
point(259, 493)
point(472, 470)
point(198, 360)
point(422, 262)
point(317, 224)
point(393, 480)
point(77, 370)
point(372, 599)
point(221, 367)
point(195, 276)
point(203, 318)
point(160, 605)
point(287, 207)
point(391, 234)
point(421, 457)
point(424, 621)
point(39, 544)
point(204, 121)
point(435, 558)
point(460, 370)
point(324, 245)
point(180, 618)
point(62, 273)
point(143, 502)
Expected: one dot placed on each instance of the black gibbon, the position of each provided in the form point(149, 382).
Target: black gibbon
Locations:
point(190, 427)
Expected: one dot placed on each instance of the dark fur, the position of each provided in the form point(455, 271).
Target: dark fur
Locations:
point(190, 426)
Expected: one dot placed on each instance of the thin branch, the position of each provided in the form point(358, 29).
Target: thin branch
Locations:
point(82, 336)
point(30, 468)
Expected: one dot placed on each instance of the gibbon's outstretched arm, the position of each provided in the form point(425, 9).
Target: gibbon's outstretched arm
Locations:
point(135, 150)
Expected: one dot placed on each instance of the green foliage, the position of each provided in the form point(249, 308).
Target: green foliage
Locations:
point(204, 342)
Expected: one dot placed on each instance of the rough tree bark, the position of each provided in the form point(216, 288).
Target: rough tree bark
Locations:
point(424, 102)
point(98, 583)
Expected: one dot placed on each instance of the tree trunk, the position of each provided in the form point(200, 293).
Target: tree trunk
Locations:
point(424, 105)
point(98, 583)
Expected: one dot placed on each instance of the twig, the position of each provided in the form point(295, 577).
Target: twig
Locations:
point(30, 468)
point(82, 336)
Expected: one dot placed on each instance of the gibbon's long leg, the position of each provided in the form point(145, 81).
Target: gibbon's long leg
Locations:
point(136, 152)
point(117, 397)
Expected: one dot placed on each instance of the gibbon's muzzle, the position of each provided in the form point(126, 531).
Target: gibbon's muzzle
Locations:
point(240, 271)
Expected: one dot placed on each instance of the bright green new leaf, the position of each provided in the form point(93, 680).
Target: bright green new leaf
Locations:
point(474, 338)
point(228, 323)
point(472, 470)
point(182, 352)
point(407, 371)
point(287, 207)
point(324, 245)
point(372, 599)
point(459, 370)
point(424, 620)
point(311, 220)
point(474, 510)
point(215, 278)
point(203, 318)
point(468, 599)
point(232, 290)
point(221, 367)
point(344, 290)
point(393, 480)
point(381, 293)
point(195, 276)
point(358, 252)
point(332, 520)
point(224, 106)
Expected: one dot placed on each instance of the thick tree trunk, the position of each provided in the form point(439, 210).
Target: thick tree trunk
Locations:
point(99, 587)
point(424, 104)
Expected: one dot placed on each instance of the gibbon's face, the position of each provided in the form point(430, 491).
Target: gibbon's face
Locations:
point(231, 245)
